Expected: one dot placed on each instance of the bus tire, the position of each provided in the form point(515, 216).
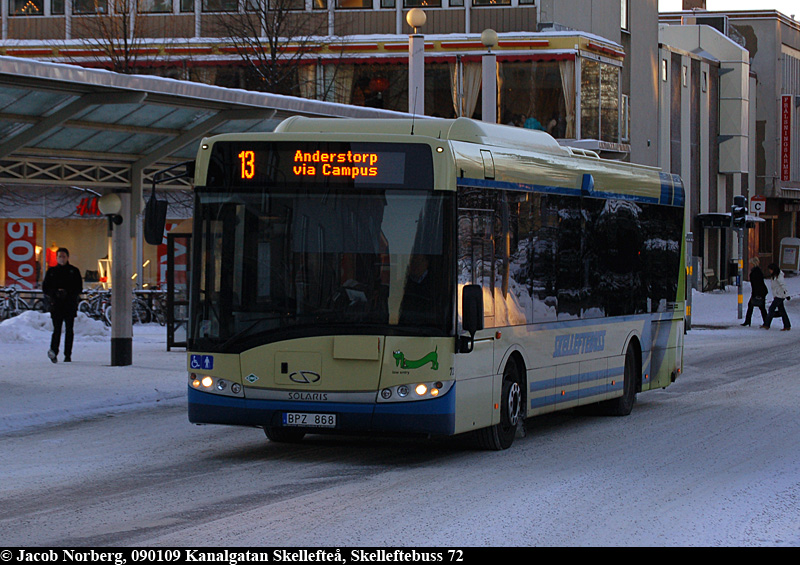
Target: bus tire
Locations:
point(623, 405)
point(283, 435)
point(501, 435)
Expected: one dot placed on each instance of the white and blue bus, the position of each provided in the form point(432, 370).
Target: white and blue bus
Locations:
point(428, 277)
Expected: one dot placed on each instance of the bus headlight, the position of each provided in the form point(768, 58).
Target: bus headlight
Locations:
point(217, 385)
point(422, 391)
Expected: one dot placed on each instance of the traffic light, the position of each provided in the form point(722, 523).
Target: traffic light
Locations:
point(739, 211)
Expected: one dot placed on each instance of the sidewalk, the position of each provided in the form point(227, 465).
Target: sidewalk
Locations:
point(719, 309)
point(36, 392)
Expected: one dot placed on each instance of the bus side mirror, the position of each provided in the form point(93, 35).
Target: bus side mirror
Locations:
point(471, 315)
point(155, 219)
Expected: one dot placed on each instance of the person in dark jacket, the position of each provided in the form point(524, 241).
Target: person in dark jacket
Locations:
point(758, 293)
point(63, 286)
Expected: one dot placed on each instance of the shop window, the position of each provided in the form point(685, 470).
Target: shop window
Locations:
point(422, 3)
point(387, 3)
point(27, 7)
point(456, 3)
point(57, 7)
point(90, 7)
point(538, 95)
point(527, 2)
point(187, 5)
point(491, 2)
point(353, 4)
point(220, 5)
point(600, 99)
point(319, 5)
point(379, 86)
point(155, 6)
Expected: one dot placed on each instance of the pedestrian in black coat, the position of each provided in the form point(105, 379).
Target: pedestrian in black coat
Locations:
point(758, 293)
point(63, 286)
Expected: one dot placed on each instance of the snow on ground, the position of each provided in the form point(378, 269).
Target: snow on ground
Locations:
point(37, 392)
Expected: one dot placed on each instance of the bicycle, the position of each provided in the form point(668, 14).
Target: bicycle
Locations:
point(14, 305)
point(158, 308)
point(95, 304)
point(139, 310)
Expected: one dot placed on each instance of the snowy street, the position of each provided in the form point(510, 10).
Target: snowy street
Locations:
point(94, 455)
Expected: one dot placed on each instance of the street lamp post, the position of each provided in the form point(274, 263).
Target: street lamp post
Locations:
point(416, 18)
point(489, 77)
point(116, 208)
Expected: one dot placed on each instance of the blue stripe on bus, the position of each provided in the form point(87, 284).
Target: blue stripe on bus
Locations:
point(556, 384)
point(561, 190)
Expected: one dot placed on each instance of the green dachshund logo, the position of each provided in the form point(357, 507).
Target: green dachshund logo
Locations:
point(432, 358)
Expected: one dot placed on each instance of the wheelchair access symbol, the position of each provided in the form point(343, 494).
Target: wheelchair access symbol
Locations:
point(205, 362)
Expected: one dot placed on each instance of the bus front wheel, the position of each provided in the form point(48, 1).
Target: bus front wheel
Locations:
point(283, 435)
point(501, 435)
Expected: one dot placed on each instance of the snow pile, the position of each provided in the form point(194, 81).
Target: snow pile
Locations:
point(36, 327)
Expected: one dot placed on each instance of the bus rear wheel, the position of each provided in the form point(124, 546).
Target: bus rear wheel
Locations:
point(501, 435)
point(283, 435)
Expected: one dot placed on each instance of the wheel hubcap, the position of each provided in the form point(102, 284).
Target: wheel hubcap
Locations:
point(514, 402)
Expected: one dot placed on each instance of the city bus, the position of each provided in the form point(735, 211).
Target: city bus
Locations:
point(426, 277)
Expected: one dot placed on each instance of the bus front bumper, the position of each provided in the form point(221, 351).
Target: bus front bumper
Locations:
point(428, 417)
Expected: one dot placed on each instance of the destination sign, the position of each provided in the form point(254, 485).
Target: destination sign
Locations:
point(241, 163)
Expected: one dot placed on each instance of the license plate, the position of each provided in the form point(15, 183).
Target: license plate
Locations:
point(309, 420)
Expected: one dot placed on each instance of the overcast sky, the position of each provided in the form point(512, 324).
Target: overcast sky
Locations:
point(787, 7)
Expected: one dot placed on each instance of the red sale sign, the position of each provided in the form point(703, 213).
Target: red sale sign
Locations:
point(786, 137)
point(20, 250)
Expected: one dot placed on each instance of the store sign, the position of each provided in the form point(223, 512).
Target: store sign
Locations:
point(786, 137)
point(20, 250)
point(758, 205)
point(162, 254)
point(88, 207)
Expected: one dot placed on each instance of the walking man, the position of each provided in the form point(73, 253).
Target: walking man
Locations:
point(63, 286)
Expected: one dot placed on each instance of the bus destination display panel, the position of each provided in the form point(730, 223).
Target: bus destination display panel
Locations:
point(337, 164)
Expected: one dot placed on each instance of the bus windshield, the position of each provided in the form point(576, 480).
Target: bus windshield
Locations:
point(297, 261)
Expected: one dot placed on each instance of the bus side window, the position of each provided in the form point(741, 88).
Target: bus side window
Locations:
point(476, 249)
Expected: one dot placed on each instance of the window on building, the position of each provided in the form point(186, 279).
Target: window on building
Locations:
point(491, 2)
point(623, 15)
point(187, 5)
point(456, 3)
point(27, 7)
point(90, 7)
point(625, 118)
point(220, 5)
point(422, 3)
point(538, 95)
point(353, 4)
point(664, 70)
point(319, 4)
point(527, 2)
point(600, 101)
point(155, 6)
point(389, 3)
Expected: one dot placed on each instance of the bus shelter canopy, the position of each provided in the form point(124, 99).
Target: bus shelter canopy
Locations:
point(63, 124)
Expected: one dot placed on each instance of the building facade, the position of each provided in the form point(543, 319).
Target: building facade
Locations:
point(772, 43)
point(590, 72)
